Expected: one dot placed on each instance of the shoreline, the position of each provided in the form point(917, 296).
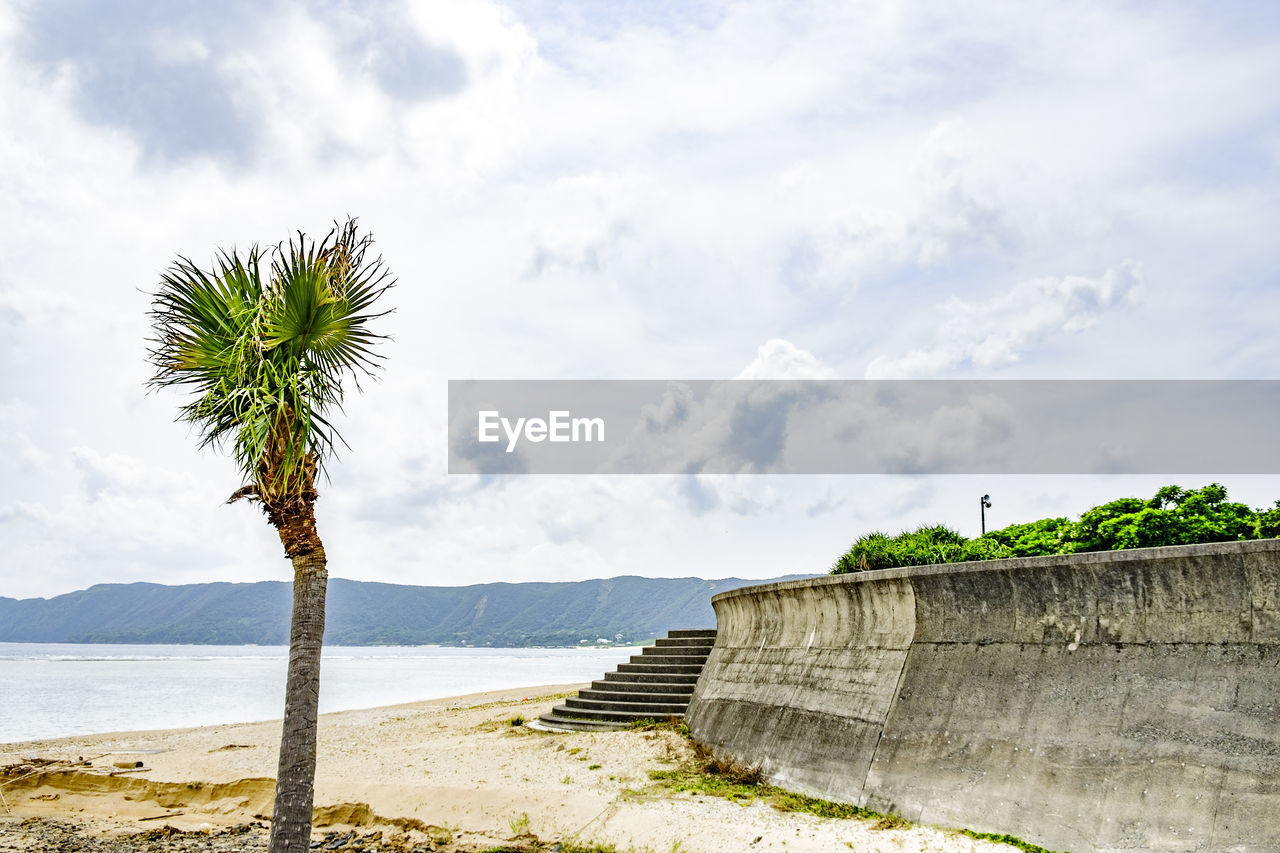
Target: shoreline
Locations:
point(327, 647)
point(532, 692)
point(76, 691)
point(450, 774)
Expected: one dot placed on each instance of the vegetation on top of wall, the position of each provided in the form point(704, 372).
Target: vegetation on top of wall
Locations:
point(923, 546)
point(1173, 516)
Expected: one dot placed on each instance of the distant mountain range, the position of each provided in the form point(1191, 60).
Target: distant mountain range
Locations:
point(361, 613)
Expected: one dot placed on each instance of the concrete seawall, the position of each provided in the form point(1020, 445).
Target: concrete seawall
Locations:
point(1122, 700)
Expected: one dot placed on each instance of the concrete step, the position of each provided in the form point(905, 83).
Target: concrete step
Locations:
point(555, 722)
point(623, 717)
point(700, 652)
point(674, 660)
point(635, 696)
point(645, 675)
point(638, 668)
point(684, 689)
point(655, 684)
point(700, 644)
point(576, 705)
point(662, 655)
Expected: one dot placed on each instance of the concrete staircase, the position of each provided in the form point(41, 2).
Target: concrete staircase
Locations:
point(656, 684)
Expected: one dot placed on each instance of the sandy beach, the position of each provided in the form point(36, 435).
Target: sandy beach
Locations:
point(449, 774)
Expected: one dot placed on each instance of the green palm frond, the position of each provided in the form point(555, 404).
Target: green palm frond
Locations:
point(265, 358)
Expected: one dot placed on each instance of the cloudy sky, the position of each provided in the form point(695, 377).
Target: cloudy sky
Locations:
point(616, 190)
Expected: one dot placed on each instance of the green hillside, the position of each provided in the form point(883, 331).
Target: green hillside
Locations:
point(360, 613)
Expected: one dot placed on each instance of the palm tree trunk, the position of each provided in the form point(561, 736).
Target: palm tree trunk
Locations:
point(295, 779)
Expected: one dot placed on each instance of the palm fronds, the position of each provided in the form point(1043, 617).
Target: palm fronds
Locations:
point(265, 357)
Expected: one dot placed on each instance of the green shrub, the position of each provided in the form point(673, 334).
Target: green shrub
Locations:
point(1267, 524)
point(1035, 538)
point(927, 545)
point(1173, 516)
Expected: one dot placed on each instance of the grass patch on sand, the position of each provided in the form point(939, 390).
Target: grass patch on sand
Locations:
point(512, 725)
point(507, 703)
point(744, 785)
point(535, 846)
point(705, 774)
point(647, 724)
point(1002, 838)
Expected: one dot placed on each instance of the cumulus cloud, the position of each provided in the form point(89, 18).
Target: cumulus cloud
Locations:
point(779, 359)
point(33, 307)
point(117, 516)
point(191, 79)
point(728, 427)
point(18, 450)
point(633, 191)
point(997, 332)
point(158, 72)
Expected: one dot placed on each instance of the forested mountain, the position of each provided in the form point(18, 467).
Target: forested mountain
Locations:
point(361, 613)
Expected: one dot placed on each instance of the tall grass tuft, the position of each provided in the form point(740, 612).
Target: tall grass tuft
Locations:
point(929, 544)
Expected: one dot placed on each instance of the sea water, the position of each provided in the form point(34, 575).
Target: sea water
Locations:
point(55, 689)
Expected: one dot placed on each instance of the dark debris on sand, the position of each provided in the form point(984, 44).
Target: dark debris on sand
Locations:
point(40, 835)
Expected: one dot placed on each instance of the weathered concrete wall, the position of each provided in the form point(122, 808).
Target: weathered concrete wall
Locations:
point(1125, 700)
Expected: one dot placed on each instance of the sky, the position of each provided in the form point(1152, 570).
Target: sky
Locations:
point(616, 190)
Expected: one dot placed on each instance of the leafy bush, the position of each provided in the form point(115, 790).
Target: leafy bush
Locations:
point(1046, 536)
point(927, 545)
point(1173, 516)
point(1267, 525)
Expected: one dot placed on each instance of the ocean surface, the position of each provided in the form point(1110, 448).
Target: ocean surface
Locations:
point(57, 689)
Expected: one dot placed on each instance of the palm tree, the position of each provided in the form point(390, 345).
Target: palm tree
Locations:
point(263, 343)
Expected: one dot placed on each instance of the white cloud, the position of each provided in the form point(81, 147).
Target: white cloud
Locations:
point(779, 359)
point(18, 450)
point(639, 192)
point(996, 332)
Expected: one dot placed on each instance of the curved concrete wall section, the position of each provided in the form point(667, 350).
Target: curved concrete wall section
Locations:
point(1123, 700)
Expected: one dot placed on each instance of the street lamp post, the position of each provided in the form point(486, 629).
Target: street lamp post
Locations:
point(984, 505)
